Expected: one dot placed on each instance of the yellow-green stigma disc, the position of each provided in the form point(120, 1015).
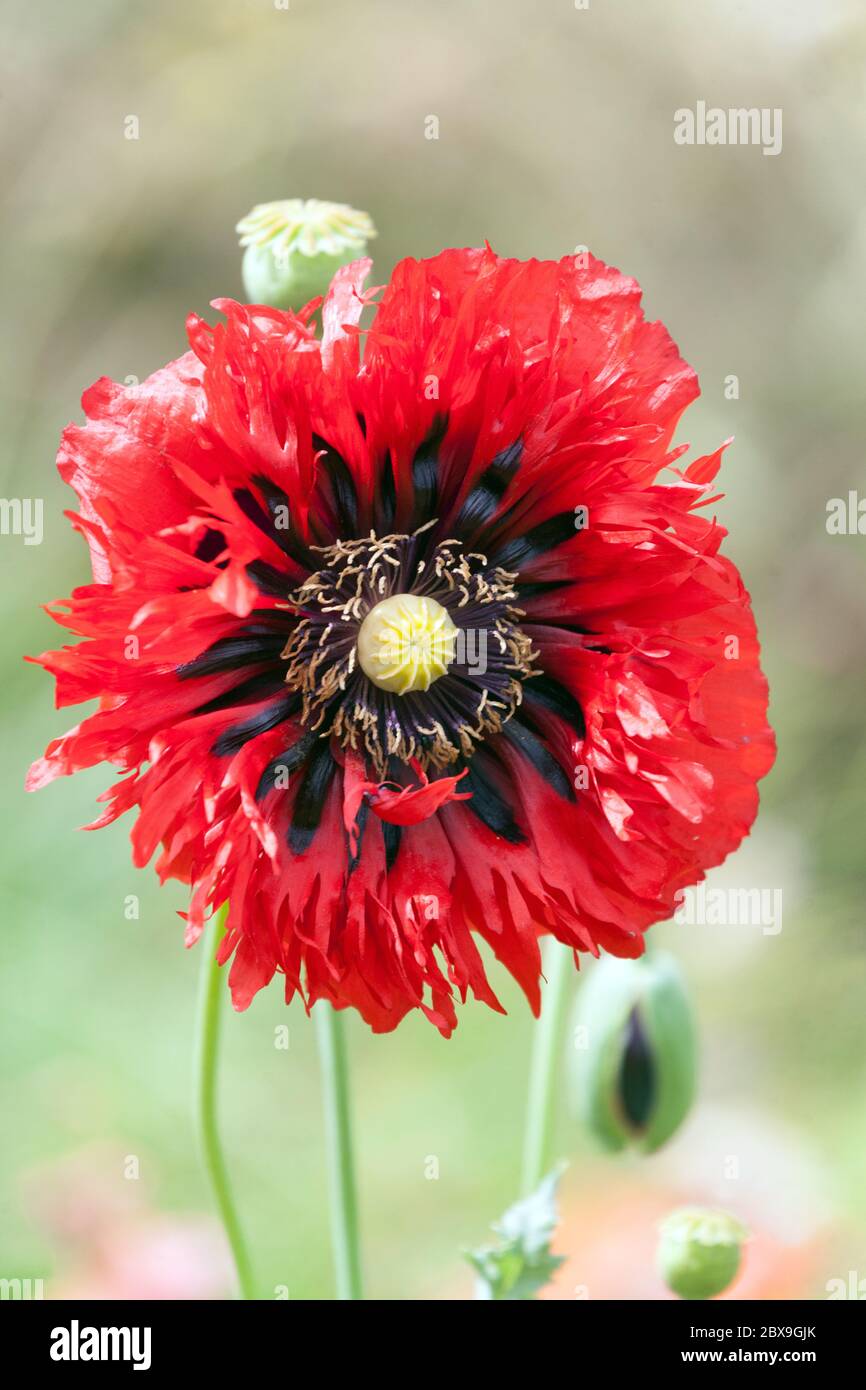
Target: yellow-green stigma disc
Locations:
point(406, 643)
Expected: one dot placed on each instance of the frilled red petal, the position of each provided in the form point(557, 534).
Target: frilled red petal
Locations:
point(557, 354)
point(398, 805)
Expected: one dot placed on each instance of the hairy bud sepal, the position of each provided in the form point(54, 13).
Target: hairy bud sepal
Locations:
point(634, 1052)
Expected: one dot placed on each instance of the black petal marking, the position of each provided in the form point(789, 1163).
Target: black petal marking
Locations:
point(310, 800)
point(392, 835)
point(212, 544)
point(386, 498)
point(489, 806)
point(541, 539)
point(251, 507)
point(269, 580)
point(343, 489)
point(253, 645)
point(265, 683)
point(361, 822)
point(546, 691)
point(285, 764)
point(425, 474)
point(483, 499)
point(541, 586)
point(234, 738)
point(274, 524)
point(539, 755)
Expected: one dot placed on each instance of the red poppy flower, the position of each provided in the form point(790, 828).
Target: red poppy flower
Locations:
point(584, 735)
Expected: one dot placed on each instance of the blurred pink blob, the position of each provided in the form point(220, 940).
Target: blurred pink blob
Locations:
point(111, 1241)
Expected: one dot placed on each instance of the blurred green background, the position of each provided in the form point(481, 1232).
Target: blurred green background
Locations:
point(556, 129)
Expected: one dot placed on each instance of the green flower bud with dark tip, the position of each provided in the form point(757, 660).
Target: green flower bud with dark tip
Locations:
point(634, 1057)
point(699, 1251)
point(293, 248)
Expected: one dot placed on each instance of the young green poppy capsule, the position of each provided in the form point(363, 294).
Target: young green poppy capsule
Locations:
point(634, 1052)
point(293, 248)
point(699, 1251)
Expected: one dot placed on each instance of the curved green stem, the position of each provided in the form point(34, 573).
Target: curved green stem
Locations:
point(557, 964)
point(341, 1168)
point(210, 1000)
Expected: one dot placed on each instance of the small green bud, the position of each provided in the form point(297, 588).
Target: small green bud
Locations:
point(634, 1052)
point(294, 247)
point(699, 1251)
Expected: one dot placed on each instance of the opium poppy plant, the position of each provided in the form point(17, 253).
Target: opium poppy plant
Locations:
point(413, 636)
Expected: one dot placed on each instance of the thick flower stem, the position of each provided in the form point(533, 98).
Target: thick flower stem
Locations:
point(341, 1167)
point(210, 1000)
point(557, 964)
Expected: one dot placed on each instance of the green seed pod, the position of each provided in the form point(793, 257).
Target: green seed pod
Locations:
point(699, 1251)
point(635, 1052)
point(294, 247)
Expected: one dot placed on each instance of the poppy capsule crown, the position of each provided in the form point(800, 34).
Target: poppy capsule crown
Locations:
point(430, 651)
point(406, 642)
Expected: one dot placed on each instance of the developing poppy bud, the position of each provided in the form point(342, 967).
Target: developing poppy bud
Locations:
point(294, 247)
point(634, 1052)
point(699, 1251)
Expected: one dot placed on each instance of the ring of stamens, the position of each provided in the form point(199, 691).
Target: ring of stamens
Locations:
point(436, 721)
